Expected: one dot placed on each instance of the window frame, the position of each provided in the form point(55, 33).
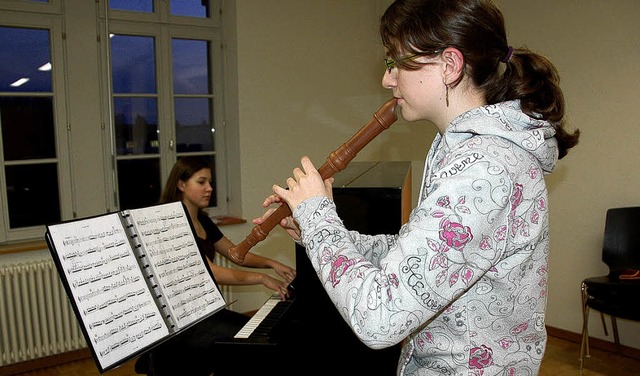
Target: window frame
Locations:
point(160, 26)
point(52, 7)
point(45, 19)
point(161, 15)
point(56, 17)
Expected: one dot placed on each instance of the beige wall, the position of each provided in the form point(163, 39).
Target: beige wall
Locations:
point(309, 77)
point(594, 45)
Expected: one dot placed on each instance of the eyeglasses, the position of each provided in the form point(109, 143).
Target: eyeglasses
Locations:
point(390, 63)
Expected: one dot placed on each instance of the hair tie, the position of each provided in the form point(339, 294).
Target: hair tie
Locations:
point(507, 56)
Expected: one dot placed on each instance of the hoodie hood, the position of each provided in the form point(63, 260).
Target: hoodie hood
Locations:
point(506, 120)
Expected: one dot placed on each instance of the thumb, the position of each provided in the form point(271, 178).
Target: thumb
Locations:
point(328, 186)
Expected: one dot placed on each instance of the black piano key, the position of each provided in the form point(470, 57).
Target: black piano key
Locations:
point(270, 322)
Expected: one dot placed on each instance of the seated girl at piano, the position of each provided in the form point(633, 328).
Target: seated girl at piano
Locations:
point(463, 285)
point(190, 182)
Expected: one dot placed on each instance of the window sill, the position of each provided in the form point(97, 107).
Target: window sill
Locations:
point(34, 245)
point(225, 220)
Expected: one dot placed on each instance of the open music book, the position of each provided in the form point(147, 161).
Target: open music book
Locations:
point(135, 278)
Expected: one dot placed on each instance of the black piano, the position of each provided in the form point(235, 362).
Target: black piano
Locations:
point(306, 334)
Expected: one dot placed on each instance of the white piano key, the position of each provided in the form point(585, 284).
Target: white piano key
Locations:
point(257, 318)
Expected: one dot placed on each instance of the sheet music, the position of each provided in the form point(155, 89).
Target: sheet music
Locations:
point(110, 291)
point(173, 254)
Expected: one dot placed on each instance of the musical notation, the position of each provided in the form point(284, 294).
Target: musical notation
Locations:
point(115, 300)
point(127, 339)
point(204, 306)
point(117, 315)
point(99, 263)
point(91, 236)
point(176, 260)
point(135, 277)
point(116, 285)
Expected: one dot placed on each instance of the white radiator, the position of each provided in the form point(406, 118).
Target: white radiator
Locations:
point(36, 318)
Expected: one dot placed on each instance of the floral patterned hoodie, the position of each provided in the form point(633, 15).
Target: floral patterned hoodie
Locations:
point(463, 285)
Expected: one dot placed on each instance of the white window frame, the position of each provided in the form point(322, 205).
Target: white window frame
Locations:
point(51, 15)
point(41, 16)
point(163, 28)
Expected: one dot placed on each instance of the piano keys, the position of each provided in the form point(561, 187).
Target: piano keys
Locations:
point(262, 325)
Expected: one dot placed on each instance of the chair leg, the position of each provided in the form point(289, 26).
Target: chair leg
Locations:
point(604, 324)
point(584, 346)
point(616, 336)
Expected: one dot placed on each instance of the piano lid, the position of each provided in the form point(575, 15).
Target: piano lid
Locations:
point(385, 174)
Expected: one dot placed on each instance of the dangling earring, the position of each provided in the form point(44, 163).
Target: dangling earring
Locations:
point(447, 94)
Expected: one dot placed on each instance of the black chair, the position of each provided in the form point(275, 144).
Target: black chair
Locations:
point(616, 293)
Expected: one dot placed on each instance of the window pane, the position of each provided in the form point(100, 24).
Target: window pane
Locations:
point(133, 64)
point(194, 130)
point(138, 182)
point(136, 122)
point(32, 192)
point(190, 8)
point(27, 128)
point(132, 5)
point(25, 57)
point(191, 66)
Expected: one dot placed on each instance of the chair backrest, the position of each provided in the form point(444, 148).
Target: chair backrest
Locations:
point(621, 248)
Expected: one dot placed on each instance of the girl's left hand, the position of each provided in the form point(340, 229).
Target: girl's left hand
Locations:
point(288, 223)
point(305, 183)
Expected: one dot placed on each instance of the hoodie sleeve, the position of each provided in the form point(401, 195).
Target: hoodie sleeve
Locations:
point(386, 287)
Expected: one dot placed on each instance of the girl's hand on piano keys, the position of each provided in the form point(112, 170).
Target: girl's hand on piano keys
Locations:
point(276, 285)
point(286, 272)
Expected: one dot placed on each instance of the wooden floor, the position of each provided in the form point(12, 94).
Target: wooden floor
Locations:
point(561, 359)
